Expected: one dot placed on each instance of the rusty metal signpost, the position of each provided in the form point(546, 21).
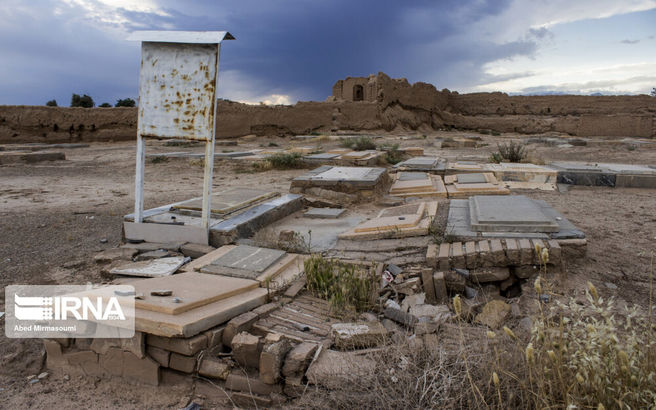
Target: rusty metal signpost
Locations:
point(177, 99)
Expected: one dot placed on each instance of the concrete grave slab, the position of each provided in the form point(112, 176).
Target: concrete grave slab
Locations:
point(192, 290)
point(477, 178)
point(418, 184)
point(323, 156)
point(324, 213)
point(525, 176)
point(396, 222)
point(152, 268)
point(229, 200)
point(581, 173)
point(247, 261)
point(433, 165)
point(411, 176)
point(515, 213)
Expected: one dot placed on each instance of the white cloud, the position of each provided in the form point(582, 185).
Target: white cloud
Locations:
point(236, 86)
point(112, 12)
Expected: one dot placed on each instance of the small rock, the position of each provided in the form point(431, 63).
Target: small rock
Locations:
point(411, 300)
point(162, 292)
point(43, 375)
point(103, 240)
point(30, 377)
point(470, 293)
point(493, 315)
point(67, 377)
point(610, 285)
point(34, 381)
point(177, 300)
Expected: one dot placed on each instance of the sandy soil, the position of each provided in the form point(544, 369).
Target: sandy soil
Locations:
point(55, 216)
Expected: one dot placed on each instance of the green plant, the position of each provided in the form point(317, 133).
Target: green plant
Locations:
point(159, 159)
point(496, 133)
point(285, 160)
point(510, 152)
point(393, 155)
point(126, 102)
point(105, 105)
point(82, 101)
point(358, 143)
point(51, 103)
point(349, 288)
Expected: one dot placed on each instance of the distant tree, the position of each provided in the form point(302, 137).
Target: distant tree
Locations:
point(105, 105)
point(653, 92)
point(127, 102)
point(84, 101)
point(52, 103)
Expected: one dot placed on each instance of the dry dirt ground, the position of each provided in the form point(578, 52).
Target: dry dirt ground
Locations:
point(54, 216)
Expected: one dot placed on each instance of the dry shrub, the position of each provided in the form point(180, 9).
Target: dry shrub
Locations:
point(510, 152)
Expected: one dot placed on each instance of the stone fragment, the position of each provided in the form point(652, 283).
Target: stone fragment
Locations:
point(185, 364)
point(423, 328)
point(186, 346)
point(526, 271)
point(411, 300)
point(156, 254)
point(454, 282)
point(298, 359)
point(135, 344)
point(272, 359)
point(429, 287)
point(494, 314)
point(348, 336)
point(434, 313)
point(214, 336)
point(161, 356)
point(244, 321)
point(440, 285)
point(194, 250)
point(504, 285)
point(54, 357)
point(246, 349)
point(214, 368)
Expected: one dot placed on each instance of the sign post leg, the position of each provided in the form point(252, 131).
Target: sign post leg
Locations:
point(207, 185)
point(139, 180)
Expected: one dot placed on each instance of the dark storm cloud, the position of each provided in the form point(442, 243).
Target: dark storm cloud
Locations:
point(295, 47)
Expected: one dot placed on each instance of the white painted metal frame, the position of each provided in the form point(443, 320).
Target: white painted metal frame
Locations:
point(182, 115)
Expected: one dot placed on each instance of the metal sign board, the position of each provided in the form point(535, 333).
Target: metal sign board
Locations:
point(177, 98)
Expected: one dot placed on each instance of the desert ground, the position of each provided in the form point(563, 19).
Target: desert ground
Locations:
point(55, 216)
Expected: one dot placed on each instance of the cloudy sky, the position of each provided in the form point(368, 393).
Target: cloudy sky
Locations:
point(290, 50)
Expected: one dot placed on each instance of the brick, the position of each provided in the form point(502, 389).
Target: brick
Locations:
point(457, 255)
point(497, 254)
point(214, 368)
point(54, 356)
point(110, 255)
point(512, 252)
point(185, 364)
point(454, 282)
point(443, 257)
point(265, 309)
point(135, 344)
point(484, 254)
point(142, 371)
point(272, 359)
point(186, 346)
point(349, 336)
point(294, 387)
point(537, 258)
point(214, 336)
point(471, 258)
point(237, 325)
point(246, 349)
point(294, 288)
point(161, 356)
point(525, 252)
point(554, 252)
point(439, 287)
point(298, 359)
point(399, 316)
point(482, 275)
point(525, 271)
point(427, 281)
point(431, 255)
point(238, 381)
point(194, 250)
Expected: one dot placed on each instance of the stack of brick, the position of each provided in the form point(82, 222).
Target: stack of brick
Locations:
point(492, 253)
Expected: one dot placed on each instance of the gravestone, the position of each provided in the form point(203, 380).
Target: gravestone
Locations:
point(471, 178)
point(246, 261)
point(518, 213)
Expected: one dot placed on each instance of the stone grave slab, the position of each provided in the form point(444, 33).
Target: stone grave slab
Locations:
point(358, 154)
point(246, 261)
point(420, 162)
point(415, 185)
point(396, 222)
point(410, 176)
point(190, 290)
point(151, 269)
point(324, 156)
point(324, 213)
point(525, 176)
point(229, 200)
point(477, 178)
point(343, 174)
point(582, 173)
point(418, 184)
point(518, 213)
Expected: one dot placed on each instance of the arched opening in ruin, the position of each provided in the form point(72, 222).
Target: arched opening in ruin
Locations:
point(358, 93)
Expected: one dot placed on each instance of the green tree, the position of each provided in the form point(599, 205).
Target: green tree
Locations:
point(51, 103)
point(127, 102)
point(105, 105)
point(84, 101)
